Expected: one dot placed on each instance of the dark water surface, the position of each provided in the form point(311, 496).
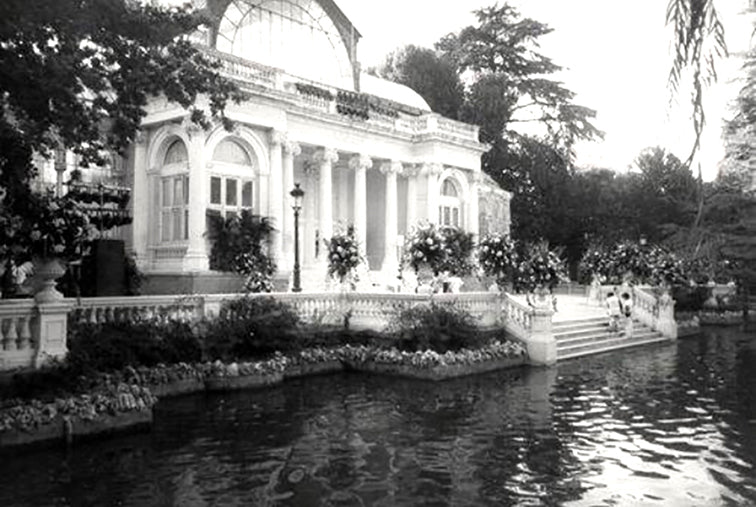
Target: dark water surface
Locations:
point(667, 425)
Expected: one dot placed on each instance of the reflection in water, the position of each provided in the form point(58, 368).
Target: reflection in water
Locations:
point(669, 425)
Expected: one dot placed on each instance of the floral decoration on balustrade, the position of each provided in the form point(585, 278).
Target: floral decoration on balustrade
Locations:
point(633, 262)
point(344, 256)
point(525, 265)
point(56, 227)
point(440, 249)
point(498, 257)
point(539, 267)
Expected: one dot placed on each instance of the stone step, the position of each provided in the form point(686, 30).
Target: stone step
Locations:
point(608, 345)
point(578, 323)
point(592, 330)
point(572, 341)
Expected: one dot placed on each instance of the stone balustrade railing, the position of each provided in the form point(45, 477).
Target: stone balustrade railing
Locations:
point(249, 72)
point(655, 311)
point(516, 317)
point(31, 332)
point(100, 310)
point(17, 346)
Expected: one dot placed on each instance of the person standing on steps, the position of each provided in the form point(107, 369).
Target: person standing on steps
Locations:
point(613, 310)
point(627, 310)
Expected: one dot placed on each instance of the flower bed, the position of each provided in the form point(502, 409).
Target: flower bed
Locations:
point(125, 399)
point(244, 375)
point(719, 318)
point(313, 362)
point(431, 365)
point(114, 407)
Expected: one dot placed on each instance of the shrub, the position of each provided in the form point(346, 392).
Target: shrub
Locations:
point(690, 299)
point(240, 244)
point(250, 327)
point(435, 327)
point(343, 255)
point(113, 346)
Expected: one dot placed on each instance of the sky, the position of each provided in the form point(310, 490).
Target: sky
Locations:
point(616, 57)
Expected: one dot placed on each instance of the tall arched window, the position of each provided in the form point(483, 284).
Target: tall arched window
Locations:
point(295, 35)
point(232, 181)
point(174, 193)
point(450, 204)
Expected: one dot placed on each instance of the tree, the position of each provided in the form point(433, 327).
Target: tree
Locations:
point(667, 193)
point(698, 42)
point(430, 75)
point(76, 75)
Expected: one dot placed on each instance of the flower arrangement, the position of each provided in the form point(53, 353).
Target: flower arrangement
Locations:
point(55, 227)
point(343, 256)
point(498, 257)
point(641, 263)
point(441, 249)
point(538, 267)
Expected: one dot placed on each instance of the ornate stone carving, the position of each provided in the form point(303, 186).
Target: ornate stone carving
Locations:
point(292, 148)
point(411, 170)
point(393, 167)
point(277, 137)
point(432, 168)
point(326, 155)
point(360, 161)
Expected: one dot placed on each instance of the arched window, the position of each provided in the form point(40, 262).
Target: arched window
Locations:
point(450, 205)
point(232, 182)
point(176, 153)
point(231, 152)
point(174, 194)
point(295, 35)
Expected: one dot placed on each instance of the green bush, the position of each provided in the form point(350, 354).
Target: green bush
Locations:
point(435, 327)
point(113, 346)
point(690, 299)
point(251, 327)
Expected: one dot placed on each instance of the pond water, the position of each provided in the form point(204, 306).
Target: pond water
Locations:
point(667, 425)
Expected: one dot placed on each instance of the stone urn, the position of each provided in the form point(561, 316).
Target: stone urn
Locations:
point(47, 270)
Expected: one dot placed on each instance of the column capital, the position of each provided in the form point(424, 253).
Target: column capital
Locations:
point(393, 167)
point(411, 170)
point(291, 148)
point(277, 137)
point(360, 161)
point(432, 168)
point(325, 155)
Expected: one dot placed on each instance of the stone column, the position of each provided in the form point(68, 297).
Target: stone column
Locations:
point(290, 150)
point(140, 202)
point(390, 266)
point(411, 172)
point(541, 343)
point(360, 164)
point(472, 208)
point(325, 157)
point(196, 254)
point(432, 171)
point(277, 193)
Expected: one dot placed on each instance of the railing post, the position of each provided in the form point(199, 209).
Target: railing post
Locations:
point(50, 332)
point(541, 343)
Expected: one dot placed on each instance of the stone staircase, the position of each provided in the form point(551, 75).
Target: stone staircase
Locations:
point(586, 336)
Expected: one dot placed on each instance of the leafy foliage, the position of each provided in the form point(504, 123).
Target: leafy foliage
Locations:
point(433, 77)
point(630, 261)
point(436, 327)
point(114, 346)
point(240, 244)
point(250, 327)
point(77, 75)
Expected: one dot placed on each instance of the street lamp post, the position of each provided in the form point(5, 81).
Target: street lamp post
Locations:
point(297, 193)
